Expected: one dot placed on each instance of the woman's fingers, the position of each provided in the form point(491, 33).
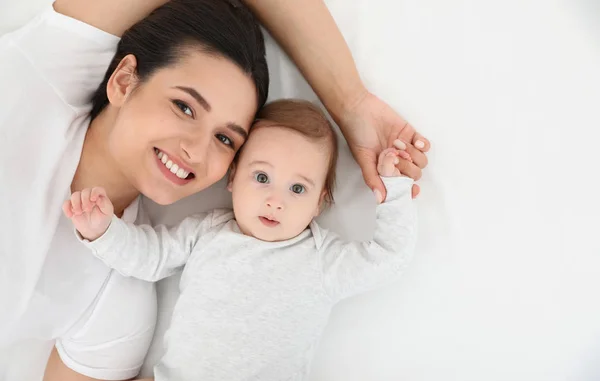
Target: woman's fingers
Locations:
point(421, 143)
point(404, 155)
point(409, 169)
point(415, 145)
point(416, 155)
point(415, 190)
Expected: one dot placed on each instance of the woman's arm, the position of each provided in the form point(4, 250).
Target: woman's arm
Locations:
point(111, 16)
point(308, 33)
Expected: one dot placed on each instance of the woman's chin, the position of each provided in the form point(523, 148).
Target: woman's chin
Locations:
point(164, 200)
point(161, 196)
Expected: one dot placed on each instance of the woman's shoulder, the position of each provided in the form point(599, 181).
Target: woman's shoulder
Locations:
point(63, 53)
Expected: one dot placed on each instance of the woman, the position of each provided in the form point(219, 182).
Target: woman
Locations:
point(183, 83)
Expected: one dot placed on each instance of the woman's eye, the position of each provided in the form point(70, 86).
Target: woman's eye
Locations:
point(261, 178)
point(183, 107)
point(225, 140)
point(297, 188)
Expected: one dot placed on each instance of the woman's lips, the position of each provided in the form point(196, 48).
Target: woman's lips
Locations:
point(170, 175)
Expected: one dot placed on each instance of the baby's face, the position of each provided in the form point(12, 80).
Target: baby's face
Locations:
point(278, 183)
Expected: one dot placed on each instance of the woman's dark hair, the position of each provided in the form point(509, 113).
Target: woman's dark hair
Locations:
point(220, 27)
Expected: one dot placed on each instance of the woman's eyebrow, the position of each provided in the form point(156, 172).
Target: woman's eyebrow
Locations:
point(238, 130)
point(196, 95)
point(200, 99)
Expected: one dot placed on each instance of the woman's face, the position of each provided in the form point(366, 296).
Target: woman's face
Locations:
point(177, 133)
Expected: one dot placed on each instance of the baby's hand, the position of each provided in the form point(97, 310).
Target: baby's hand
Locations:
point(90, 211)
point(388, 159)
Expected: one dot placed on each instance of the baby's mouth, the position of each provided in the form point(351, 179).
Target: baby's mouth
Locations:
point(268, 221)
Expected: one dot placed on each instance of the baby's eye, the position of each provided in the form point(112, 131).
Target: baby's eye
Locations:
point(187, 110)
point(261, 178)
point(297, 188)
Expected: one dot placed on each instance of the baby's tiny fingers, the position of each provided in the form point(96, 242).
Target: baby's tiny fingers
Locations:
point(76, 203)
point(105, 205)
point(388, 152)
point(86, 203)
point(393, 156)
point(66, 207)
point(97, 192)
point(387, 164)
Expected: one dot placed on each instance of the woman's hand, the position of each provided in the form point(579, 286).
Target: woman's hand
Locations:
point(370, 126)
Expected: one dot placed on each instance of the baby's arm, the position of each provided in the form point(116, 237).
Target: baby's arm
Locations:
point(354, 267)
point(141, 251)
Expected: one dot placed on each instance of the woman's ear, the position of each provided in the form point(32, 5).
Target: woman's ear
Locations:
point(232, 169)
point(122, 81)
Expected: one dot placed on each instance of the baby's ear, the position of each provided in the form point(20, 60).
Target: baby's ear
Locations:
point(232, 169)
point(321, 204)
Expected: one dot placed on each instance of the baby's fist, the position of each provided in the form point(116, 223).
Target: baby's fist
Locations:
point(388, 159)
point(90, 211)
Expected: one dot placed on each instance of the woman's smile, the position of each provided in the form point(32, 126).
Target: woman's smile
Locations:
point(173, 168)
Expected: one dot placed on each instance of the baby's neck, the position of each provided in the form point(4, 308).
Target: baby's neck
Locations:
point(97, 168)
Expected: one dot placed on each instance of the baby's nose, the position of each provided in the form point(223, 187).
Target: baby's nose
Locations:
point(274, 203)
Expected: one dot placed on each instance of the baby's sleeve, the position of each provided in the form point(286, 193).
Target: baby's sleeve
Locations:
point(149, 253)
point(350, 268)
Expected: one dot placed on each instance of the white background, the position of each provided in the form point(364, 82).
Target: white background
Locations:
point(506, 280)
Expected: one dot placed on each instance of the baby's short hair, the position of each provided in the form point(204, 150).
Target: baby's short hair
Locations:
point(307, 119)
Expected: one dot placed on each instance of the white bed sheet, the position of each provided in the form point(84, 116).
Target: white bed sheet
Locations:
point(505, 283)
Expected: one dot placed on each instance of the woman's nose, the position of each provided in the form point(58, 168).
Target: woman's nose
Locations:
point(195, 150)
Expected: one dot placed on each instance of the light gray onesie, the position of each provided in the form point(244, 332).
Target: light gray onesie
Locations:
point(254, 310)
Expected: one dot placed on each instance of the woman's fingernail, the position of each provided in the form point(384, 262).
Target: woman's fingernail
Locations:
point(419, 144)
point(378, 196)
point(396, 161)
point(399, 144)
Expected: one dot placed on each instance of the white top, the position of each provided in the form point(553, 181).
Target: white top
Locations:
point(48, 283)
point(255, 310)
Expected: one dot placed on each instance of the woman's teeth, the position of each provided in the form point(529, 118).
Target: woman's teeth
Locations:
point(174, 168)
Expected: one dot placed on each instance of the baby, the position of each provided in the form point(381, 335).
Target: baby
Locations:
point(260, 281)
